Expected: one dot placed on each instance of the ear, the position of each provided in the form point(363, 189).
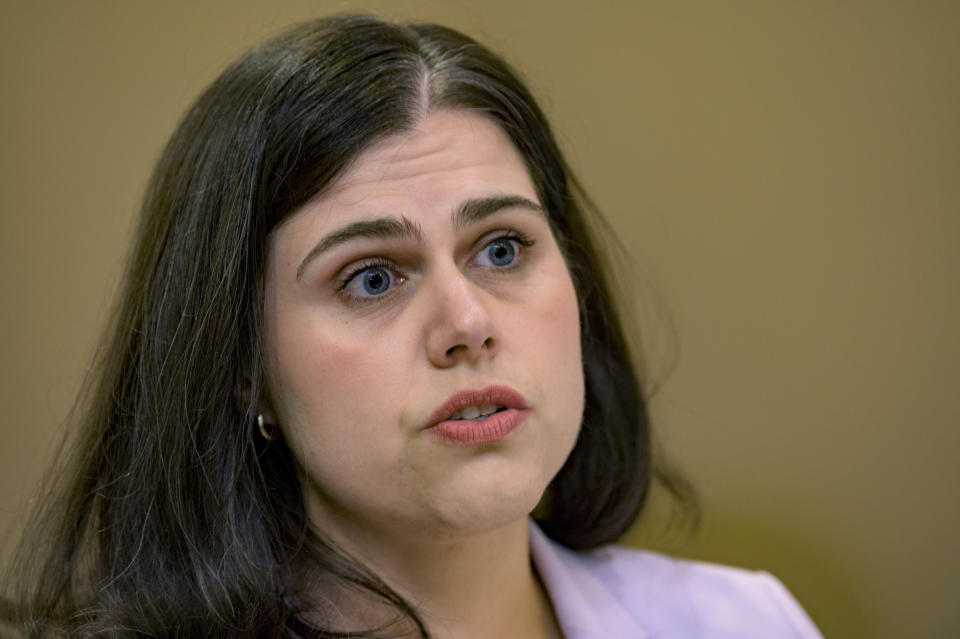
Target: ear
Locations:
point(243, 393)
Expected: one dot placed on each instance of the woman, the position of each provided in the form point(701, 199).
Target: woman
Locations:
point(364, 333)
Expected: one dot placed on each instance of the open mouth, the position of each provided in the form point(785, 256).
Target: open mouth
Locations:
point(477, 413)
point(478, 406)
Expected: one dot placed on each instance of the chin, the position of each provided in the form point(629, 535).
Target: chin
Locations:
point(487, 503)
point(494, 491)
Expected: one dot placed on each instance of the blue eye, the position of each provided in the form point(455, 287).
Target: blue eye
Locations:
point(499, 253)
point(370, 281)
point(376, 281)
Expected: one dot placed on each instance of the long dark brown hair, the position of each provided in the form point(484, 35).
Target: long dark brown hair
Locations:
point(170, 515)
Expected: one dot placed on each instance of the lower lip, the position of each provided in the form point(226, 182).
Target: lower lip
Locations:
point(466, 432)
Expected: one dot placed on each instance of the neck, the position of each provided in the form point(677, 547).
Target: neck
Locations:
point(479, 585)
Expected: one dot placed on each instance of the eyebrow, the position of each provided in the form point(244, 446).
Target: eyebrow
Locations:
point(469, 212)
point(475, 210)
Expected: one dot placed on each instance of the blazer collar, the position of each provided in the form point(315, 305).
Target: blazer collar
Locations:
point(584, 605)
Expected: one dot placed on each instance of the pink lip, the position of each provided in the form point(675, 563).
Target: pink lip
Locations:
point(494, 428)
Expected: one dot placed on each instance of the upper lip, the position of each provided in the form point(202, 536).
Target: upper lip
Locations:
point(495, 394)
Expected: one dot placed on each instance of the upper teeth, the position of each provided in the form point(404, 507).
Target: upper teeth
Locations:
point(473, 412)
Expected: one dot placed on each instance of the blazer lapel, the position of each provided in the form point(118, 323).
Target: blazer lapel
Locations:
point(584, 605)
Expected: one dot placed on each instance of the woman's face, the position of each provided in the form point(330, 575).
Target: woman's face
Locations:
point(422, 287)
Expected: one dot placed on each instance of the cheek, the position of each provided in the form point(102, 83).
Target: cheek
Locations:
point(340, 419)
point(561, 375)
point(572, 366)
point(334, 392)
point(553, 343)
point(560, 320)
point(322, 371)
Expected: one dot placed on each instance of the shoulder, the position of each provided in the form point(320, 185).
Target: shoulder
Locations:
point(708, 599)
point(664, 596)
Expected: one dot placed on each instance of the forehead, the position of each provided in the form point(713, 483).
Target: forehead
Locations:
point(450, 154)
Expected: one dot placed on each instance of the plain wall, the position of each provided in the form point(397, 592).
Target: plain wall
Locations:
point(785, 175)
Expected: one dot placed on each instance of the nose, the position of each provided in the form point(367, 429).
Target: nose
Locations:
point(460, 327)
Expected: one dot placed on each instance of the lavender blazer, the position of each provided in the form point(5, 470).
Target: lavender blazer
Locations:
point(619, 593)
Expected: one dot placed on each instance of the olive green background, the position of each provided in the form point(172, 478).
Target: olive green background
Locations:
point(786, 176)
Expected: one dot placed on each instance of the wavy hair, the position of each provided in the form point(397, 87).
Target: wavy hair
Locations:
point(171, 516)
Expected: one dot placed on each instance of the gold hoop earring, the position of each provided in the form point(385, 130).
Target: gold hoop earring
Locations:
point(267, 435)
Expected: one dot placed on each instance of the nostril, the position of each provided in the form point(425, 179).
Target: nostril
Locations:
point(485, 346)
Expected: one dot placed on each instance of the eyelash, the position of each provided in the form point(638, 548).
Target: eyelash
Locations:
point(523, 240)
